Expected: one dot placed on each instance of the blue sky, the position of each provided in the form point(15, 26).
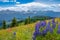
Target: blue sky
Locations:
point(43, 1)
point(25, 1)
point(29, 1)
point(10, 3)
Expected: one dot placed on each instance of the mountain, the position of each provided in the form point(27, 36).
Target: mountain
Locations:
point(8, 14)
point(22, 11)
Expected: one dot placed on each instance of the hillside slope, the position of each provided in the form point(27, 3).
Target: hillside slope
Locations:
point(23, 32)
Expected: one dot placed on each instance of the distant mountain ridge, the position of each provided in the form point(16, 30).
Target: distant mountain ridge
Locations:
point(8, 14)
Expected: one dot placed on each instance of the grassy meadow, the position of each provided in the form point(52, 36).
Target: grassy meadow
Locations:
point(22, 32)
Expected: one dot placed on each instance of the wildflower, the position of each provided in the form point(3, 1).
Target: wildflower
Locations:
point(37, 27)
point(14, 33)
point(34, 36)
point(53, 25)
point(43, 23)
point(53, 21)
point(44, 32)
point(58, 31)
point(49, 28)
point(36, 30)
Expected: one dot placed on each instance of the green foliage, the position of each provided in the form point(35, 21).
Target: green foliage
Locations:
point(39, 18)
point(4, 24)
point(14, 22)
point(27, 21)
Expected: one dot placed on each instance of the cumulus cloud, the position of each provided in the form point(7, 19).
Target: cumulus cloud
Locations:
point(33, 6)
point(5, 0)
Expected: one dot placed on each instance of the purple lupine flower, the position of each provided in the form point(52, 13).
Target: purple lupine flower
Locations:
point(36, 30)
point(44, 32)
point(35, 35)
point(43, 23)
point(37, 27)
point(14, 33)
point(58, 31)
point(49, 28)
point(53, 25)
point(53, 20)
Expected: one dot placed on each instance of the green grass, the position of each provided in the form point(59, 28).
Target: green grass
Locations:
point(23, 32)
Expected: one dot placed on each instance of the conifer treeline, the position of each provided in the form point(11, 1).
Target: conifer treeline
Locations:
point(14, 23)
point(28, 20)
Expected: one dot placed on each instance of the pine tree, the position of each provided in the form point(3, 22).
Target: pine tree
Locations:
point(4, 24)
point(27, 21)
point(14, 22)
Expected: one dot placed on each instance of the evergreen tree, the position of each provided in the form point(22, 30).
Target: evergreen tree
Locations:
point(27, 21)
point(4, 24)
point(14, 22)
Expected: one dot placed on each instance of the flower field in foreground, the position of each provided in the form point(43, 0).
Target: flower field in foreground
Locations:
point(41, 30)
point(47, 31)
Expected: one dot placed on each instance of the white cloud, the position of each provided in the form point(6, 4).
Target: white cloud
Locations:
point(17, 2)
point(33, 6)
point(5, 0)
